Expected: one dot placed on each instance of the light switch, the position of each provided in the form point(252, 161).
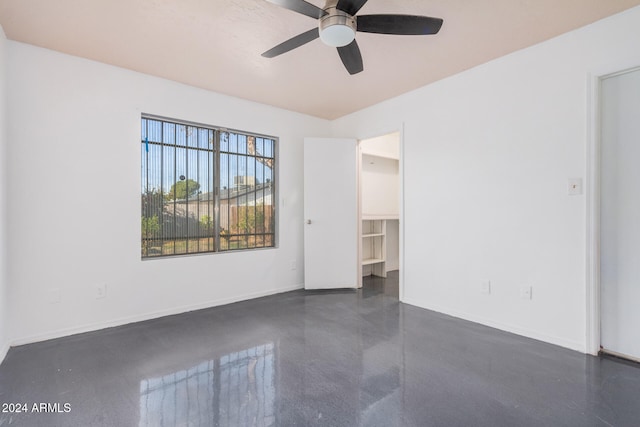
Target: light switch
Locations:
point(575, 186)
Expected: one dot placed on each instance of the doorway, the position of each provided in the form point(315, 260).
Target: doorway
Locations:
point(619, 210)
point(380, 189)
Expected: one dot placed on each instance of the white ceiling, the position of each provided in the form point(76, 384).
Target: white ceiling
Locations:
point(216, 44)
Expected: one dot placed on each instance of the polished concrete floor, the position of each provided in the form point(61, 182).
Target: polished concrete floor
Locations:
point(341, 358)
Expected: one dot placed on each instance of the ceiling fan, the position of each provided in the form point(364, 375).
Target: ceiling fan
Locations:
point(338, 23)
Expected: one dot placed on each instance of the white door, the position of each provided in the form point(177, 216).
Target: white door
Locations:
point(330, 213)
point(620, 215)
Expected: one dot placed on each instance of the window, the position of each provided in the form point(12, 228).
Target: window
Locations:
point(205, 189)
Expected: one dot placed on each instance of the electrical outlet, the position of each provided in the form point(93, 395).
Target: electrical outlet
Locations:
point(485, 287)
point(101, 291)
point(525, 292)
point(293, 264)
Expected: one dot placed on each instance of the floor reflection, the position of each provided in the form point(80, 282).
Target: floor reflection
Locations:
point(236, 389)
point(382, 354)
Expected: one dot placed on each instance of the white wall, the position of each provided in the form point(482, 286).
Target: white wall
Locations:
point(4, 286)
point(74, 167)
point(392, 239)
point(487, 155)
point(379, 186)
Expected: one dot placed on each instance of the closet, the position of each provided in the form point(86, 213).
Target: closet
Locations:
point(619, 211)
point(379, 204)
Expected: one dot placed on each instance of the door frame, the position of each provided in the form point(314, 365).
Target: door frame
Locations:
point(399, 129)
point(593, 170)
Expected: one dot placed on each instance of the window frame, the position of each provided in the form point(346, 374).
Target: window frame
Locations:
point(217, 178)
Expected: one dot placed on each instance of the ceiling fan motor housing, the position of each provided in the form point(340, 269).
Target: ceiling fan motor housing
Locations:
point(337, 28)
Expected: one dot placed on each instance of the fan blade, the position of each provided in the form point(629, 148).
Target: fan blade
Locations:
point(350, 6)
point(292, 43)
point(399, 24)
point(351, 57)
point(301, 6)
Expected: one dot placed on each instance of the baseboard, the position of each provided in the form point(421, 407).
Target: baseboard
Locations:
point(148, 316)
point(4, 349)
point(559, 341)
point(621, 356)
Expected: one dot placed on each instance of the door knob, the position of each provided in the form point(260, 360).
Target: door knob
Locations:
point(308, 221)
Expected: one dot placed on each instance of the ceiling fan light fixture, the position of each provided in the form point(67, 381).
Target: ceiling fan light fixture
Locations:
point(337, 29)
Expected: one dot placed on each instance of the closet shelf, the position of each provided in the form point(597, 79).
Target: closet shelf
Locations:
point(372, 235)
point(373, 217)
point(373, 247)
